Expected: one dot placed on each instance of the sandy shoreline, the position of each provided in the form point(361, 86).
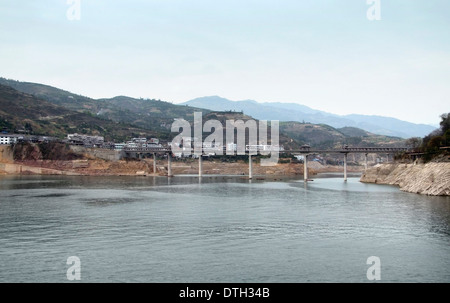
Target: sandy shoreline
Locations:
point(100, 167)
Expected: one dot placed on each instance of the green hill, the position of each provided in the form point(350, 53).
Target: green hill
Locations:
point(149, 114)
point(325, 136)
point(23, 112)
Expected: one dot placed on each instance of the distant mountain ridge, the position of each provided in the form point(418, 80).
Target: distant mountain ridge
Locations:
point(301, 113)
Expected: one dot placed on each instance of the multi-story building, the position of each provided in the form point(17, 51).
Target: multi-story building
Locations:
point(7, 139)
point(88, 141)
point(119, 146)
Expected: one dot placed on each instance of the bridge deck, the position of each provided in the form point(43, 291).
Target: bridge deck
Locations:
point(299, 151)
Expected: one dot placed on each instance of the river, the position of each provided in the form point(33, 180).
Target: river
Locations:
point(219, 229)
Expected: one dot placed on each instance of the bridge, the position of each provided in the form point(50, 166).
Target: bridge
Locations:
point(346, 150)
point(254, 150)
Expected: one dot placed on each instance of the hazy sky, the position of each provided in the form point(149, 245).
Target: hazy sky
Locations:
point(325, 54)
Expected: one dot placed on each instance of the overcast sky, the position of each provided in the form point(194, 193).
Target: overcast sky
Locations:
point(325, 54)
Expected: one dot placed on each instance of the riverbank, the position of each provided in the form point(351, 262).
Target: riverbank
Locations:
point(431, 179)
point(100, 167)
point(91, 164)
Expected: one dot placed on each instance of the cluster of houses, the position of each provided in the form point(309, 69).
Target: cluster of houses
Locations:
point(180, 150)
point(99, 142)
point(185, 148)
point(81, 140)
point(137, 143)
point(85, 140)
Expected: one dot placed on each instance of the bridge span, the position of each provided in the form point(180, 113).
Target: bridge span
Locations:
point(345, 150)
point(140, 151)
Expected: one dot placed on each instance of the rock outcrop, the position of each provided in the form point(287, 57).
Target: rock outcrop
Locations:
point(428, 179)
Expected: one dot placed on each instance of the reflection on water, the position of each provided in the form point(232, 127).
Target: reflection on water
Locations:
point(219, 229)
point(108, 201)
point(337, 184)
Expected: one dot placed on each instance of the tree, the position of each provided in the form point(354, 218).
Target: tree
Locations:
point(431, 144)
point(446, 137)
point(435, 142)
point(29, 127)
point(445, 123)
point(414, 142)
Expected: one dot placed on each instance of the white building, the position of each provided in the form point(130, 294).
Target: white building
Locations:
point(7, 139)
point(231, 147)
point(119, 146)
point(132, 144)
point(300, 157)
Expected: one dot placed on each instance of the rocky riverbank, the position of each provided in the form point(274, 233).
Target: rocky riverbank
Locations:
point(431, 179)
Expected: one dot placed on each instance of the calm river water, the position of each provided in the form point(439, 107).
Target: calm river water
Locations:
point(219, 229)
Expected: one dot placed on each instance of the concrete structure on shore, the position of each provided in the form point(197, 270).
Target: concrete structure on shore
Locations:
point(105, 154)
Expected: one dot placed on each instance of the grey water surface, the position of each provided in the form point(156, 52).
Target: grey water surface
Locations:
point(219, 229)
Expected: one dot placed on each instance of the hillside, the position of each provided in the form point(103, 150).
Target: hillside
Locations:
point(325, 136)
point(52, 95)
point(156, 114)
point(149, 114)
point(51, 111)
point(295, 134)
point(301, 113)
point(144, 113)
point(20, 111)
point(285, 140)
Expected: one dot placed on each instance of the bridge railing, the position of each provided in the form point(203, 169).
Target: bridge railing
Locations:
point(375, 149)
point(143, 149)
point(226, 150)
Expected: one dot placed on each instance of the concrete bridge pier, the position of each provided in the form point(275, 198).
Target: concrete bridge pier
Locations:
point(169, 165)
point(250, 167)
point(345, 167)
point(365, 161)
point(154, 163)
point(200, 166)
point(305, 168)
